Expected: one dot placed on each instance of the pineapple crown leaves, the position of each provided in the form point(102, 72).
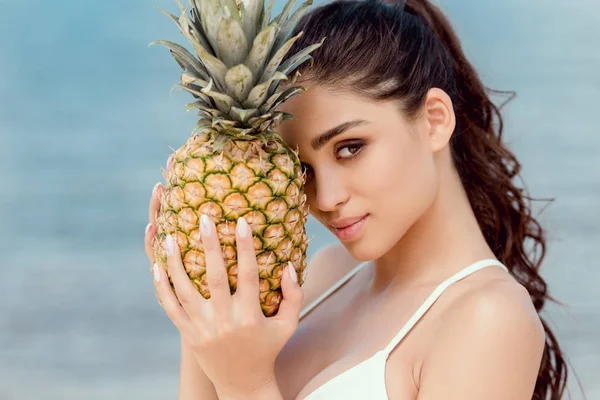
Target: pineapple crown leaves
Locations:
point(236, 73)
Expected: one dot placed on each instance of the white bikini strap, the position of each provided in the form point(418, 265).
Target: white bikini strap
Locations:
point(434, 296)
point(332, 289)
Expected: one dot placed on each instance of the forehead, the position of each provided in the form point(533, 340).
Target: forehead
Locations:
point(318, 109)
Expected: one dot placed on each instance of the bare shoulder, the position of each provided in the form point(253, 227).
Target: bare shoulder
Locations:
point(489, 345)
point(494, 303)
point(324, 269)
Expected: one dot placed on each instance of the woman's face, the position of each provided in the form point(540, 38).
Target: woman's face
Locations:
point(370, 173)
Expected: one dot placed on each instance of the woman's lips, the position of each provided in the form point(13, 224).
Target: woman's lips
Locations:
point(351, 231)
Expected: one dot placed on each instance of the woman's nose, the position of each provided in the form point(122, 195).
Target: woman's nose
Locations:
point(329, 192)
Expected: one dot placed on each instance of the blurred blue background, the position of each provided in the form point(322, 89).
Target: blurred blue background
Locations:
point(86, 121)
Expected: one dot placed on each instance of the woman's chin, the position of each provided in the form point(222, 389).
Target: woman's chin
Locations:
point(362, 251)
point(370, 247)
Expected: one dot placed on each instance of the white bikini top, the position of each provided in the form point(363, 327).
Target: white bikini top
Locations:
point(366, 380)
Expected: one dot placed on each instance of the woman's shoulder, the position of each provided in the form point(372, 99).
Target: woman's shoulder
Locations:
point(327, 266)
point(491, 335)
point(496, 298)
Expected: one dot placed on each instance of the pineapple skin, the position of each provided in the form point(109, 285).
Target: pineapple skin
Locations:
point(259, 180)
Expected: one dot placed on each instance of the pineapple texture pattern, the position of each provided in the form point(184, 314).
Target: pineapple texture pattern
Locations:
point(261, 182)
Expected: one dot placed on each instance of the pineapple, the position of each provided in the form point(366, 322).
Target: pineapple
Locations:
point(234, 165)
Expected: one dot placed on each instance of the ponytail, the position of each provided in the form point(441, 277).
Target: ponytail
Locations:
point(487, 169)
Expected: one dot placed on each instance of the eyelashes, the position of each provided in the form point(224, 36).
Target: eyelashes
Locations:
point(352, 150)
point(344, 152)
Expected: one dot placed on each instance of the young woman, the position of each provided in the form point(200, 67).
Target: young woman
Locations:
point(431, 294)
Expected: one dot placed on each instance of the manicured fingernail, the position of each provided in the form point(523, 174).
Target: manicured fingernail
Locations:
point(155, 188)
point(242, 227)
point(147, 229)
point(205, 225)
point(156, 273)
point(292, 272)
point(170, 245)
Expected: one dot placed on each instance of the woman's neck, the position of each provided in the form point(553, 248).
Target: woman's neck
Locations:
point(443, 241)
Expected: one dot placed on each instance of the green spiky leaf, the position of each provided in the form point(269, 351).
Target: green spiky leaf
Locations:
point(239, 81)
point(279, 97)
point(259, 93)
point(199, 105)
point(266, 18)
point(251, 14)
point(299, 58)
point(200, 32)
point(183, 57)
point(285, 12)
point(189, 77)
point(243, 115)
point(287, 26)
point(276, 60)
point(211, 12)
point(222, 101)
point(263, 43)
point(232, 44)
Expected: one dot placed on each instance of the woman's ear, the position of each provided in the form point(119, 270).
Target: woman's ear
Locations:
point(439, 113)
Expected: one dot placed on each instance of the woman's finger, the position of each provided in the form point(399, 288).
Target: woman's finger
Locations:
point(156, 194)
point(216, 272)
point(148, 241)
point(293, 296)
point(186, 293)
point(154, 205)
point(168, 300)
point(153, 209)
point(247, 270)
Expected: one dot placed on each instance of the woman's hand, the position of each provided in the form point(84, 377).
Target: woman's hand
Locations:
point(193, 382)
point(234, 343)
point(153, 209)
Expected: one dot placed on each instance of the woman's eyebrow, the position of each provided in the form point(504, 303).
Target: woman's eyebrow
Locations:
point(320, 141)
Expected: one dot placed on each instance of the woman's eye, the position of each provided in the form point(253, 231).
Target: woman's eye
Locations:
point(349, 151)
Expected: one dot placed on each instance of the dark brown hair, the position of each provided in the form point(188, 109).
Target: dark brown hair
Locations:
point(388, 50)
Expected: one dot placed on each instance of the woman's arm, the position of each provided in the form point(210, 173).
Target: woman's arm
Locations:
point(489, 347)
point(193, 382)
